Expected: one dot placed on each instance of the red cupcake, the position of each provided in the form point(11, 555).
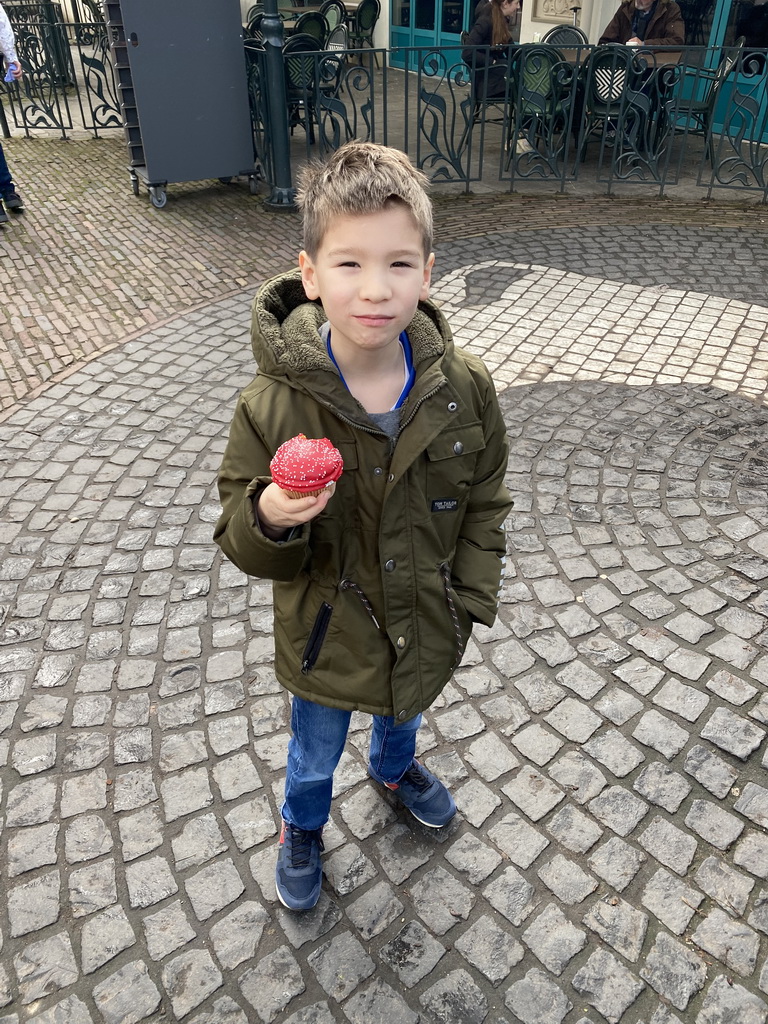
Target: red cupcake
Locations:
point(305, 466)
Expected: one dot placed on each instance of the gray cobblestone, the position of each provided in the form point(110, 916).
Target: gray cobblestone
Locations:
point(553, 939)
point(567, 880)
point(671, 900)
point(710, 770)
point(375, 910)
point(674, 971)
point(44, 967)
point(713, 823)
point(189, 978)
point(490, 949)
point(725, 1000)
point(412, 953)
point(732, 942)
point(535, 999)
point(271, 984)
point(167, 930)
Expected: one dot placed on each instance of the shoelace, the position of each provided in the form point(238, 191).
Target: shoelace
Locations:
point(301, 845)
point(416, 779)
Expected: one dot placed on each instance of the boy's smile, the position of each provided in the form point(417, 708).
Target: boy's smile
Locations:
point(369, 272)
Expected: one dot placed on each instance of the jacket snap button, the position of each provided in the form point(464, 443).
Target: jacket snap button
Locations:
point(403, 715)
point(401, 642)
point(452, 407)
point(378, 471)
point(391, 477)
point(458, 448)
point(389, 565)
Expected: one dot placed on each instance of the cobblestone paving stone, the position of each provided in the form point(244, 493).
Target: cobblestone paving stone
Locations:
point(605, 740)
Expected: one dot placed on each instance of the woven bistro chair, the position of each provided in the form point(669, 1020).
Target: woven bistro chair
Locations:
point(366, 16)
point(334, 12)
point(313, 23)
point(565, 35)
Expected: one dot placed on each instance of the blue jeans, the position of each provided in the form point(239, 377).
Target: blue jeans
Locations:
point(317, 743)
point(6, 181)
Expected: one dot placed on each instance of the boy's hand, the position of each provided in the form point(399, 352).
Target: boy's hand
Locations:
point(278, 512)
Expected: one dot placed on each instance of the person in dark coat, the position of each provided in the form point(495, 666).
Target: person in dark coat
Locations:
point(492, 33)
point(753, 25)
point(646, 23)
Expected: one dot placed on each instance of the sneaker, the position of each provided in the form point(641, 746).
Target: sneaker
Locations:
point(3, 215)
point(13, 201)
point(298, 874)
point(425, 796)
point(524, 146)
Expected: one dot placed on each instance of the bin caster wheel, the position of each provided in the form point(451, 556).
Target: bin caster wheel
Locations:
point(225, 181)
point(157, 197)
point(135, 184)
point(253, 185)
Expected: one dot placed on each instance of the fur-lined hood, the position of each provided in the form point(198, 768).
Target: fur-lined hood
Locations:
point(285, 330)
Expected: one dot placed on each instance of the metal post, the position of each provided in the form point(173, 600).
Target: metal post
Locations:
point(283, 195)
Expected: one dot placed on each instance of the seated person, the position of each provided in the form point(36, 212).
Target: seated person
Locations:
point(646, 23)
point(491, 30)
point(753, 25)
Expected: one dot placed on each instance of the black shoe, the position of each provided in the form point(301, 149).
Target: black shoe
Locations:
point(3, 215)
point(298, 874)
point(13, 201)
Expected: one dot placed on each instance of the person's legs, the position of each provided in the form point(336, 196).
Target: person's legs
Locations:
point(317, 743)
point(319, 734)
point(392, 763)
point(6, 181)
point(393, 747)
point(8, 193)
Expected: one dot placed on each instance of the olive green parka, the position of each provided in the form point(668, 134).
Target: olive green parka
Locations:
point(374, 598)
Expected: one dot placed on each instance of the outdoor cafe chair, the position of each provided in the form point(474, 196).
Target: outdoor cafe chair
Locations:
point(334, 12)
point(565, 35)
point(253, 28)
point(488, 109)
point(694, 114)
point(313, 23)
point(311, 81)
point(366, 16)
point(541, 98)
point(253, 11)
point(613, 102)
point(337, 40)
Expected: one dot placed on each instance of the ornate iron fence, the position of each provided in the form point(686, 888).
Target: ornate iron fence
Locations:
point(617, 117)
point(621, 118)
point(69, 81)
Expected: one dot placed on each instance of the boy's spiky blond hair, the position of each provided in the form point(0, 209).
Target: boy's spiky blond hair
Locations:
point(361, 178)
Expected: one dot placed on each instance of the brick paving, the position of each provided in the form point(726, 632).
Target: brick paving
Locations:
point(605, 741)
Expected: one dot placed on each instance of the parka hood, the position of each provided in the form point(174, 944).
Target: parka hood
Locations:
point(285, 329)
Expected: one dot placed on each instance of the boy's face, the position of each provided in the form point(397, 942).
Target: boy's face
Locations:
point(370, 273)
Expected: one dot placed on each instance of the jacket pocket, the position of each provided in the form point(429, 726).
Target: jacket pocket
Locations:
point(316, 638)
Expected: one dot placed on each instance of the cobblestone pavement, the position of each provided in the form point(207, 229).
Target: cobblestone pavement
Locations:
point(89, 264)
point(605, 741)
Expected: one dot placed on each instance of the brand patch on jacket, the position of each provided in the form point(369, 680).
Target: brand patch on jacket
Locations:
point(445, 505)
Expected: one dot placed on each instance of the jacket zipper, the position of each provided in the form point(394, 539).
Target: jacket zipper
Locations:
point(316, 638)
point(445, 572)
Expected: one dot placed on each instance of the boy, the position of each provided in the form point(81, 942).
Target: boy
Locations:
point(376, 586)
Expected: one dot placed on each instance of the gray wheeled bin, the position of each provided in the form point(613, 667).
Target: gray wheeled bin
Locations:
point(183, 86)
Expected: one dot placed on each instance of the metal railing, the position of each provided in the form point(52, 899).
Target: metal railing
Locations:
point(696, 118)
point(69, 81)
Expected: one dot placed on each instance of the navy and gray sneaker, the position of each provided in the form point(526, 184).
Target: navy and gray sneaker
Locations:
point(425, 796)
point(298, 874)
point(3, 214)
point(13, 200)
